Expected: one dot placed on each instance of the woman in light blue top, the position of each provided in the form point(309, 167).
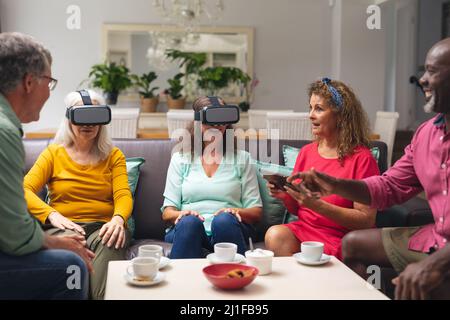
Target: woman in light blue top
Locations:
point(213, 198)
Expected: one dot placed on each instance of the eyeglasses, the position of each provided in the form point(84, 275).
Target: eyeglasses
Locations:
point(52, 83)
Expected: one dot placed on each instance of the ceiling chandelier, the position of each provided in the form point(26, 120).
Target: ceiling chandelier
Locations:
point(189, 14)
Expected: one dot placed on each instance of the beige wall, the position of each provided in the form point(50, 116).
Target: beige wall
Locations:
point(363, 56)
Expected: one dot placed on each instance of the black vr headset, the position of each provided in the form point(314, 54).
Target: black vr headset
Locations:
point(217, 114)
point(86, 115)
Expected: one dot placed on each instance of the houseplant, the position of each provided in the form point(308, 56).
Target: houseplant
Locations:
point(249, 88)
point(111, 78)
point(149, 100)
point(192, 61)
point(213, 79)
point(175, 99)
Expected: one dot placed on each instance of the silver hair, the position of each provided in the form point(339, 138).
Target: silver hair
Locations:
point(431, 103)
point(20, 54)
point(103, 143)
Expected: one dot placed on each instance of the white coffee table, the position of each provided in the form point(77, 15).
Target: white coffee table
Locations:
point(289, 280)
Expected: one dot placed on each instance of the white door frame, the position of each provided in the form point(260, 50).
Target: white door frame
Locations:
point(401, 56)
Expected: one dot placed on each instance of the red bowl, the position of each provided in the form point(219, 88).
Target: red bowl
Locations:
point(217, 274)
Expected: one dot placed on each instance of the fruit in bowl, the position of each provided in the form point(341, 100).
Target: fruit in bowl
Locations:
point(230, 275)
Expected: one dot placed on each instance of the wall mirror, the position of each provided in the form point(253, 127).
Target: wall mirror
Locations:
point(141, 47)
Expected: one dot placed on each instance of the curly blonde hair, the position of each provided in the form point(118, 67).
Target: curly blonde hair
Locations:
point(352, 123)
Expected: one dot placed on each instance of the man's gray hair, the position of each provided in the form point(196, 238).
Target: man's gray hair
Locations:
point(20, 54)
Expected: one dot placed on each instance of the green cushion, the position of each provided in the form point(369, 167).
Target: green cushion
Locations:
point(290, 155)
point(133, 171)
point(376, 153)
point(271, 168)
point(273, 209)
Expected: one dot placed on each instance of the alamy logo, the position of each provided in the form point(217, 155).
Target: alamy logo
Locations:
point(73, 22)
point(373, 21)
point(374, 280)
point(74, 280)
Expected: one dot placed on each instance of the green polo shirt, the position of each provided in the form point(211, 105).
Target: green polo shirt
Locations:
point(20, 233)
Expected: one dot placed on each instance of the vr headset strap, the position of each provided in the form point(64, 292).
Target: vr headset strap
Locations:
point(214, 101)
point(86, 100)
point(85, 97)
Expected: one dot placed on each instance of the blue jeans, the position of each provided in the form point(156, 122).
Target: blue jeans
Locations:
point(43, 275)
point(190, 240)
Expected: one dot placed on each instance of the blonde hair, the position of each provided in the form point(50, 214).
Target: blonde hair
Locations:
point(102, 145)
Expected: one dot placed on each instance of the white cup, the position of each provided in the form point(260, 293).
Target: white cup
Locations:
point(312, 250)
point(150, 250)
point(143, 268)
point(261, 259)
point(225, 251)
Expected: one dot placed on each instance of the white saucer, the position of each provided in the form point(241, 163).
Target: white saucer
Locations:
point(164, 262)
point(324, 259)
point(160, 276)
point(238, 258)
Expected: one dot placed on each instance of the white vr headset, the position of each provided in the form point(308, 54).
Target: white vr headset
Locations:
point(87, 115)
point(217, 114)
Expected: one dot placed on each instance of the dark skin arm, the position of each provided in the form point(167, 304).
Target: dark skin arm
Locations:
point(318, 184)
point(358, 217)
point(419, 279)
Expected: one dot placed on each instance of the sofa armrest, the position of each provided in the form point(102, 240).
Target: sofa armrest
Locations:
point(414, 212)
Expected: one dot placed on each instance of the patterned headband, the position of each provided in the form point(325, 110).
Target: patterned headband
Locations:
point(337, 98)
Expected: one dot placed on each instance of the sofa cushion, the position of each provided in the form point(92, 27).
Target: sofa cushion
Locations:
point(273, 209)
point(133, 166)
point(272, 168)
point(414, 212)
point(290, 155)
point(375, 153)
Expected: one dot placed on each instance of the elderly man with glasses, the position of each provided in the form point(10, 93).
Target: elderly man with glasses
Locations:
point(32, 265)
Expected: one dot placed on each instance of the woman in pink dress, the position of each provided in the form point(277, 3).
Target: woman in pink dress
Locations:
point(341, 149)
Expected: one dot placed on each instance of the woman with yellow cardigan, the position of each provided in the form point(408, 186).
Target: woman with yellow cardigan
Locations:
point(88, 191)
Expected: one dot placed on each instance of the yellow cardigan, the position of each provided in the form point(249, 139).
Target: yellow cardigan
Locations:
point(82, 193)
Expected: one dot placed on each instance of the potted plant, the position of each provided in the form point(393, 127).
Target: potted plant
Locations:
point(175, 99)
point(213, 79)
point(244, 79)
point(149, 101)
point(192, 61)
point(111, 78)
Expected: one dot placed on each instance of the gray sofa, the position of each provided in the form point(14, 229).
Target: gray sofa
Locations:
point(148, 198)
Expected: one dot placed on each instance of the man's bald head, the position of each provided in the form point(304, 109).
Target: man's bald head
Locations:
point(436, 79)
point(441, 52)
